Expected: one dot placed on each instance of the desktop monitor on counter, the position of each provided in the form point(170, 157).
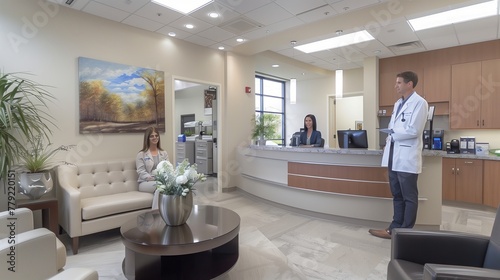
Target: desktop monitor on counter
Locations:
point(352, 139)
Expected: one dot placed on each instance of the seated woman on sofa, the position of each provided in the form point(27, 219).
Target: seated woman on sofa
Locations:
point(146, 161)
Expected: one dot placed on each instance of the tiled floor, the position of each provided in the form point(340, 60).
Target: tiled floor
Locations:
point(276, 243)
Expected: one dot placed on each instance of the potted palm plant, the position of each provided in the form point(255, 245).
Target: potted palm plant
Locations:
point(23, 115)
point(265, 127)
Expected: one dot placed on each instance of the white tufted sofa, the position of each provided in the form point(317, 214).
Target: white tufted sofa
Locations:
point(98, 197)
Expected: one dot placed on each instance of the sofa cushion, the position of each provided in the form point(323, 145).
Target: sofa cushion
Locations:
point(101, 206)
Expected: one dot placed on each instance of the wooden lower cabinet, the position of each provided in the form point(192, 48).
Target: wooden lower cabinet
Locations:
point(491, 183)
point(462, 180)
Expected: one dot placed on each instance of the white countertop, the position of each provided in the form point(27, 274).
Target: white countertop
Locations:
point(435, 153)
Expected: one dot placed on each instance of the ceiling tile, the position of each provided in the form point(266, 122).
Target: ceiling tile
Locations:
point(300, 6)
point(394, 34)
point(199, 40)
point(480, 30)
point(215, 34)
point(198, 24)
point(180, 34)
point(127, 6)
point(318, 14)
point(225, 13)
point(105, 11)
point(269, 14)
point(437, 38)
point(158, 13)
point(143, 23)
point(242, 6)
point(346, 6)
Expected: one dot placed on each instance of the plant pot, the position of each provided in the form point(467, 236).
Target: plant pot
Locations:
point(35, 185)
point(175, 209)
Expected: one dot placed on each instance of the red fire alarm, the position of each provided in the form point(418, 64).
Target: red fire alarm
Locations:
point(248, 90)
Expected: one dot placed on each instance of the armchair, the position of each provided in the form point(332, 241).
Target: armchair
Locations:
point(33, 253)
point(444, 255)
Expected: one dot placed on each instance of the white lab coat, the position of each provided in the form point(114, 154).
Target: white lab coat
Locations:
point(407, 135)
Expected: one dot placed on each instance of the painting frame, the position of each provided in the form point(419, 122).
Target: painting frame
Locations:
point(119, 98)
point(358, 125)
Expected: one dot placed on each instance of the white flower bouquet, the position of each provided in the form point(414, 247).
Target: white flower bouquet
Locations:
point(177, 181)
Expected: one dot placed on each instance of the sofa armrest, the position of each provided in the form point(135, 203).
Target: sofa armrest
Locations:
point(439, 271)
point(23, 219)
point(31, 255)
point(70, 210)
point(440, 247)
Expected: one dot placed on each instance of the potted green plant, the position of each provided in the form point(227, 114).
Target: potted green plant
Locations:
point(23, 115)
point(36, 161)
point(265, 127)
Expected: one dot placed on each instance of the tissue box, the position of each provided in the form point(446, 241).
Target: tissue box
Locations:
point(482, 149)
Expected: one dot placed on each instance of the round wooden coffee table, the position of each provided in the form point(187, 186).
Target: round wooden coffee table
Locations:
point(203, 248)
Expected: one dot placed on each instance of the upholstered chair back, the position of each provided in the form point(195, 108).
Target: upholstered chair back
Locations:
point(492, 258)
point(99, 179)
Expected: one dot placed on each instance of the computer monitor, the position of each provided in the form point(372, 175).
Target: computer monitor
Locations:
point(352, 139)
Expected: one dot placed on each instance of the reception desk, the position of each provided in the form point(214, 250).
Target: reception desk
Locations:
point(348, 183)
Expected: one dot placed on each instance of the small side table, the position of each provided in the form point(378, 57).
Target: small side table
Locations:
point(49, 207)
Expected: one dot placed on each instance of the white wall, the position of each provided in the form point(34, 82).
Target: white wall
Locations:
point(349, 110)
point(46, 40)
point(51, 54)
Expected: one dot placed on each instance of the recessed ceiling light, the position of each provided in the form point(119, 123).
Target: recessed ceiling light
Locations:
point(275, 65)
point(171, 34)
point(239, 40)
point(221, 48)
point(336, 42)
point(213, 15)
point(454, 16)
point(184, 7)
point(189, 26)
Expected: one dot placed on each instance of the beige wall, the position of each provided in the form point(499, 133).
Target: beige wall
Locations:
point(46, 41)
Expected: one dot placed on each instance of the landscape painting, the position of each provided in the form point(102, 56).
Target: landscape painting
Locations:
point(117, 98)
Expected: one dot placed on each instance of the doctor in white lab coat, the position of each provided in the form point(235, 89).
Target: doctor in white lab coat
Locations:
point(403, 153)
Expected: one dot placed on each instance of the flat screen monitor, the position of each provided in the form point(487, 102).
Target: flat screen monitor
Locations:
point(352, 139)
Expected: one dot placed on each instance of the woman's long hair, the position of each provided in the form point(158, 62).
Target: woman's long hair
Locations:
point(313, 118)
point(148, 133)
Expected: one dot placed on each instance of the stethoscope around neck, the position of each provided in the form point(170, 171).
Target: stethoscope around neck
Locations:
point(403, 116)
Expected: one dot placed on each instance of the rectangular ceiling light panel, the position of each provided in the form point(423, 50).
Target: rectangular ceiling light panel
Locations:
point(183, 6)
point(468, 13)
point(336, 42)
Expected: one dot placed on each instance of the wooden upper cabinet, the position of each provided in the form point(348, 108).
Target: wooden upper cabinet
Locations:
point(475, 95)
point(387, 80)
point(437, 83)
point(465, 110)
point(490, 94)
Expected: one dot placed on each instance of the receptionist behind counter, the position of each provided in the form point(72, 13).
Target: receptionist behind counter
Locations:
point(310, 137)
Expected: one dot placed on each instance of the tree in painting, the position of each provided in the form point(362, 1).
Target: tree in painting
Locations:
point(119, 98)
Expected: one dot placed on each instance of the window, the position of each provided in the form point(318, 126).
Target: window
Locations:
point(270, 100)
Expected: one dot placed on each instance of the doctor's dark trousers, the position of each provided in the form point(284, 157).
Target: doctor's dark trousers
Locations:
point(404, 196)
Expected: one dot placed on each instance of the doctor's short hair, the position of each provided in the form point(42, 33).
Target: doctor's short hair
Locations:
point(409, 76)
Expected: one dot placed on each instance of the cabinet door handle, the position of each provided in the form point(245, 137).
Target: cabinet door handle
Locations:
point(453, 170)
point(483, 122)
point(458, 171)
point(477, 122)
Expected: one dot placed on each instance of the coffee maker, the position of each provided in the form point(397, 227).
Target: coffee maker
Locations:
point(433, 141)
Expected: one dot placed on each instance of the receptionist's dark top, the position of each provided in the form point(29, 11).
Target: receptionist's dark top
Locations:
point(315, 138)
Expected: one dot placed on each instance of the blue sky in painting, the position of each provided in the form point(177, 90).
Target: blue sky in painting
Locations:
point(119, 79)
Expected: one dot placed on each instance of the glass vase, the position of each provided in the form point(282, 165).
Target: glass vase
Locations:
point(175, 209)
